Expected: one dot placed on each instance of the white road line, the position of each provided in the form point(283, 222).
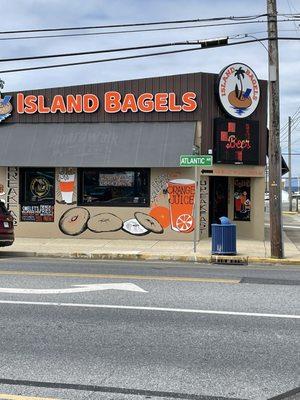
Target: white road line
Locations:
point(286, 226)
point(77, 289)
point(162, 309)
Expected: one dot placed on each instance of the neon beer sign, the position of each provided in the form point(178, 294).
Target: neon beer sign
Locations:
point(112, 102)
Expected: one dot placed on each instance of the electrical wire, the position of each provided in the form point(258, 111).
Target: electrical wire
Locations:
point(232, 18)
point(138, 56)
point(136, 30)
point(294, 120)
point(39, 57)
point(283, 128)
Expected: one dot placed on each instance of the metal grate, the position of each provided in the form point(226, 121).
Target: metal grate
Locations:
point(233, 260)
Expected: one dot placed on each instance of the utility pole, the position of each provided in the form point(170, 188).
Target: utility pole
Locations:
point(290, 163)
point(277, 250)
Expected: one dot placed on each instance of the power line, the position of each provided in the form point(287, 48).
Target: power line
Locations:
point(137, 30)
point(284, 127)
point(247, 17)
point(293, 124)
point(138, 56)
point(182, 43)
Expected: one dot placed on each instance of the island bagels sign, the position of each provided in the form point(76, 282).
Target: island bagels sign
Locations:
point(238, 90)
point(112, 102)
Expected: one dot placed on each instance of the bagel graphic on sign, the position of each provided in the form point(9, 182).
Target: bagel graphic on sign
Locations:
point(238, 90)
point(5, 105)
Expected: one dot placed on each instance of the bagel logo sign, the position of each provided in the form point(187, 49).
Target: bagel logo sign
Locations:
point(5, 105)
point(238, 90)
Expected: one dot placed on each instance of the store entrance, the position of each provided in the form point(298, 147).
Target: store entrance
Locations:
point(218, 199)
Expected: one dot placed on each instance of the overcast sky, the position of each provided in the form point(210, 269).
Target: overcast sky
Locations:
point(35, 14)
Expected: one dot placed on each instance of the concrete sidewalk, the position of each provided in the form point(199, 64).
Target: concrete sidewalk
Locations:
point(251, 251)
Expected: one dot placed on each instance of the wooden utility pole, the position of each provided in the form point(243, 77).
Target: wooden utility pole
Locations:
point(290, 163)
point(277, 250)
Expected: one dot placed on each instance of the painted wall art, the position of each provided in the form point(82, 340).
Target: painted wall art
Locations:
point(172, 207)
point(12, 199)
point(204, 205)
point(177, 209)
point(242, 199)
point(66, 185)
point(77, 220)
point(2, 193)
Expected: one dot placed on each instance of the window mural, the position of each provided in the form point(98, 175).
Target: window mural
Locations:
point(242, 199)
point(37, 186)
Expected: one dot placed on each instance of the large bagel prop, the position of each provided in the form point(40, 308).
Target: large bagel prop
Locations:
point(74, 221)
point(104, 222)
point(148, 222)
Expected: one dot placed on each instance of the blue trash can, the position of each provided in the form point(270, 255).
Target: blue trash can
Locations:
point(223, 237)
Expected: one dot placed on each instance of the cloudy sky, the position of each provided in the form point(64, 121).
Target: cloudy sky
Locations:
point(36, 14)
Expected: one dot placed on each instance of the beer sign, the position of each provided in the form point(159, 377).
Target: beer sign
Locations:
point(236, 142)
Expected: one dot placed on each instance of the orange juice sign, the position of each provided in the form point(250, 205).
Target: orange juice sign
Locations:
point(181, 199)
point(113, 102)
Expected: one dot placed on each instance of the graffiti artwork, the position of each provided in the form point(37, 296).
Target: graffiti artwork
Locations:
point(204, 203)
point(13, 192)
point(158, 186)
point(66, 179)
point(2, 193)
point(242, 202)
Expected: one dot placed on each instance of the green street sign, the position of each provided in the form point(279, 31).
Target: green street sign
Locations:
point(195, 161)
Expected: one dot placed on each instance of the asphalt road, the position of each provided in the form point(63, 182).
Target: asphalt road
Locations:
point(187, 332)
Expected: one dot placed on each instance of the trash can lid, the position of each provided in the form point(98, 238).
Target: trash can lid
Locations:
point(225, 220)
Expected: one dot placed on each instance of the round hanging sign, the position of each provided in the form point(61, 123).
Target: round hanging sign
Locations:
point(238, 90)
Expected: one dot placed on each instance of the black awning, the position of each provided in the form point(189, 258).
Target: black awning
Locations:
point(96, 145)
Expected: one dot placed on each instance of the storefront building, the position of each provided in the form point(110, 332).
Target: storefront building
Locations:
point(102, 160)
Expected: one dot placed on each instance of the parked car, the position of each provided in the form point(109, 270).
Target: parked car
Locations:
point(7, 235)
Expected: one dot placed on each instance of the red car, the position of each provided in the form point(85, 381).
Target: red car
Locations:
point(7, 235)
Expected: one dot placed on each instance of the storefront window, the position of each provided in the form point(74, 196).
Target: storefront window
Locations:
point(37, 186)
point(114, 187)
point(242, 199)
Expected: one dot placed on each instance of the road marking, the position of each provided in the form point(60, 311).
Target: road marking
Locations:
point(111, 276)
point(15, 397)
point(286, 226)
point(140, 308)
point(77, 289)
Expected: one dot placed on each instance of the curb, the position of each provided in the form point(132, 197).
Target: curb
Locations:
point(155, 257)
